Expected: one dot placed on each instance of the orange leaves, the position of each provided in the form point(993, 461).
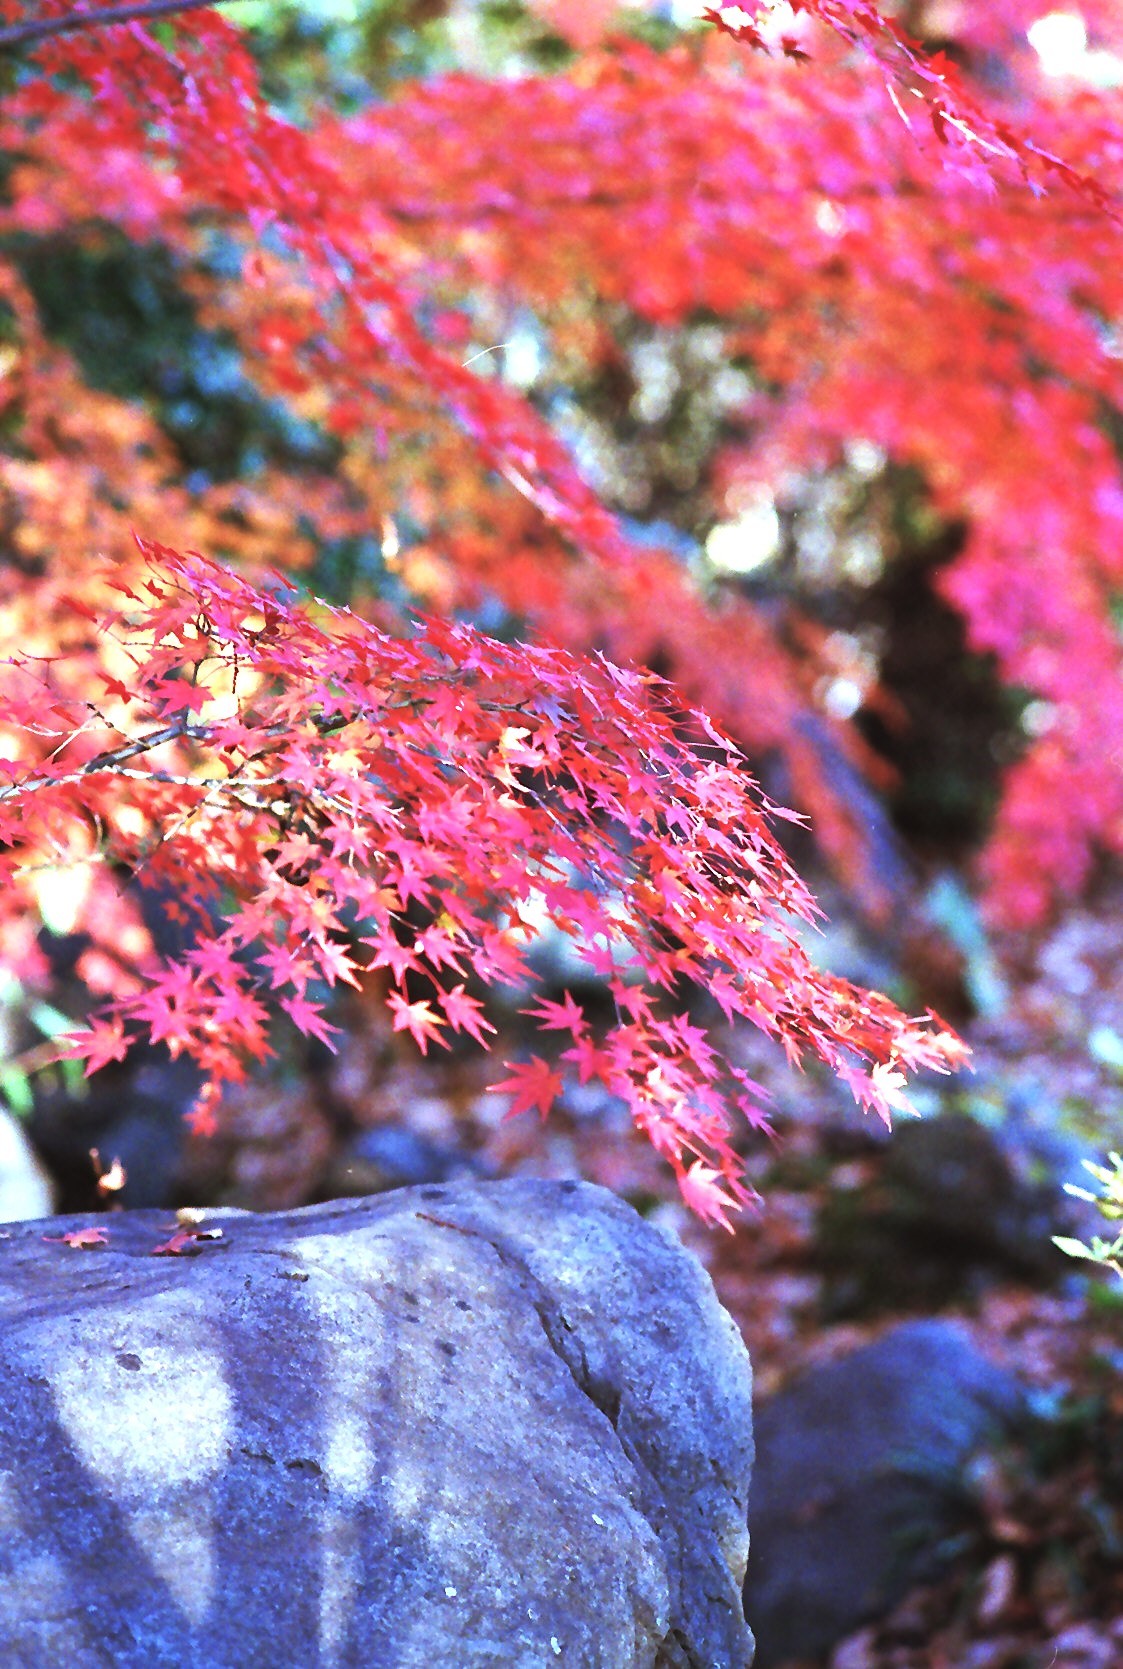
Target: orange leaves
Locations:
point(944, 313)
point(336, 804)
point(186, 1240)
point(960, 121)
point(465, 1013)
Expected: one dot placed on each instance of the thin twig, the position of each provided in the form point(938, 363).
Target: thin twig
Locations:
point(40, 29)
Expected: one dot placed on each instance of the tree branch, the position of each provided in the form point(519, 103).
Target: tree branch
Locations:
point(23, 34)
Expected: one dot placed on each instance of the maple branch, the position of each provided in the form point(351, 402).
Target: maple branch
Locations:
point(110, 759)
point(22, 34)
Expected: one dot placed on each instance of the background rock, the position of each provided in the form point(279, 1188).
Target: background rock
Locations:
point(394, 1156)
point(859, 1481)
point(133, 1111)
point(952, 1205)
point(488, 1426)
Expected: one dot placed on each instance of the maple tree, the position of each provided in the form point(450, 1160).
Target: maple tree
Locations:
point(885, 252)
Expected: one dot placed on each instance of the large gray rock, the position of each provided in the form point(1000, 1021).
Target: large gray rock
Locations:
point(501, 1424)
point(860, 1483)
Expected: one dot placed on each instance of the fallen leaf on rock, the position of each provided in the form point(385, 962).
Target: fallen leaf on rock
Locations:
point(81, 1239)
point(184, 1243)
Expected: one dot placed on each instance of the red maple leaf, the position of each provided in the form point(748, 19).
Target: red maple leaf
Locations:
point(82, 1240)
point(185, 1242)
point(464, 1013)
point(308, 1017)
point(104, 1041)
point(566, 1016)
point(532, 1083)
point(707, 1192)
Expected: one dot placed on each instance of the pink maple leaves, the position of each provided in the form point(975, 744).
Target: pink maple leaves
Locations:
point(552, 789)
point(957, 116)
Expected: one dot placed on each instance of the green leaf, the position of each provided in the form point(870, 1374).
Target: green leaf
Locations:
point(15, 1086)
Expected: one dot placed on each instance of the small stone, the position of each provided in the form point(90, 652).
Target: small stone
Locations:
point(999, 1584)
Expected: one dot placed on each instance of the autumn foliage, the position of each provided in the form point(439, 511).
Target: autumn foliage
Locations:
point(885, 248)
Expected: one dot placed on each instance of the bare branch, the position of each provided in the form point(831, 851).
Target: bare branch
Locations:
point(40, 29)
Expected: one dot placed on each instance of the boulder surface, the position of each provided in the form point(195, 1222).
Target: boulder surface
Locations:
point(482, 1426)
